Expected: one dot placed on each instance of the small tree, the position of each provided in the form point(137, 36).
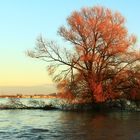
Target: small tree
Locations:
point(102, 63)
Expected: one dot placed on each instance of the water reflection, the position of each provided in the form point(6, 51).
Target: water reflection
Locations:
point(59, 125)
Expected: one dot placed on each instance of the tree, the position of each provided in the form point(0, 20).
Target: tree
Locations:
point(102, 63)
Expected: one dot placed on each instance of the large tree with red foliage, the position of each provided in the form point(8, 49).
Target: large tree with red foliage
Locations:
point(102, 63)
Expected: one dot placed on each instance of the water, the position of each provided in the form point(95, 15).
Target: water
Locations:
point(66, 125)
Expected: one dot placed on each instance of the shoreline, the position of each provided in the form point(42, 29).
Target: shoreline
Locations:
point(118, 104)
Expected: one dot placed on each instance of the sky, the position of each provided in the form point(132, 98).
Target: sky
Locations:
point(22, 21)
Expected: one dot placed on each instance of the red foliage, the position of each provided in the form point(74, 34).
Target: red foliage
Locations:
point(103, 62)
point(103, 51)
point(98, 93)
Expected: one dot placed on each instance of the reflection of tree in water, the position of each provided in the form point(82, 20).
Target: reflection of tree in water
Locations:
point(99, 125)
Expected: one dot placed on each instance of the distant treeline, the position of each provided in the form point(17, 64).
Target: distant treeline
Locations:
point(29, 96)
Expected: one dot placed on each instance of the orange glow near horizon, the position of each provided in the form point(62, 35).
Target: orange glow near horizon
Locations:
point(29, 74)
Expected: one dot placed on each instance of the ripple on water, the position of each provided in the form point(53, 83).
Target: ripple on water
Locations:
point(60, 125)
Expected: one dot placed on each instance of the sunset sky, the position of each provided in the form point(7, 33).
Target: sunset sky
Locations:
point(22, 21)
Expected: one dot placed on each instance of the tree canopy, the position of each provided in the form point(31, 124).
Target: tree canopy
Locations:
point(102, 63)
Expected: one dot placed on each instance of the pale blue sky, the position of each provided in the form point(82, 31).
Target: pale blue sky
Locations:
point(21, 21)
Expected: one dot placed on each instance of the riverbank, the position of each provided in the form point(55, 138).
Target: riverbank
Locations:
point(59, 104)
point(47, 107)
point(118, 104)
